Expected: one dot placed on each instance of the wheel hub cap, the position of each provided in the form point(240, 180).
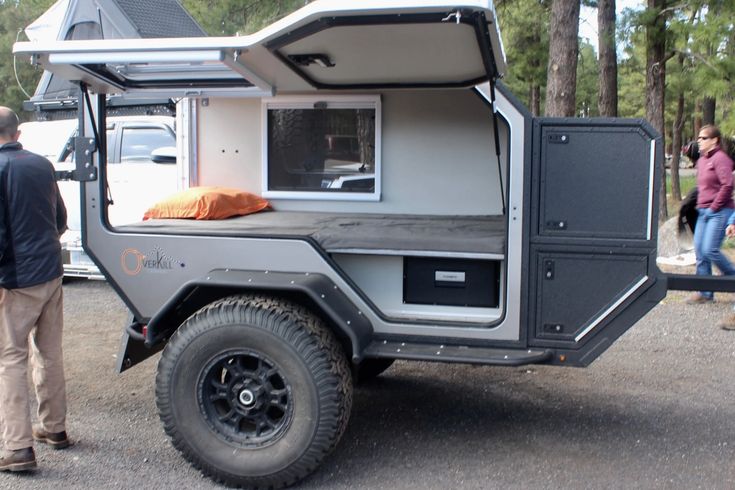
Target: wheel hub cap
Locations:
point(245, 398)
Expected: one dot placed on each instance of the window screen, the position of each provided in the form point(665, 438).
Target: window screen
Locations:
point(322, 149)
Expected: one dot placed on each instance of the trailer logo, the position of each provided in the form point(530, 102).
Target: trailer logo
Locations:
point(133, 261)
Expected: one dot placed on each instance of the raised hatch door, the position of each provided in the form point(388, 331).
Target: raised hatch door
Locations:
point(361, 44)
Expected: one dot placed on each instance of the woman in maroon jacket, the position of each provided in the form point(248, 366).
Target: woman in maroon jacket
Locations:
point(714, 205)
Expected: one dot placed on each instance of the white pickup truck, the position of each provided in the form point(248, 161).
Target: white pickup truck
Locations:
point(141, 152)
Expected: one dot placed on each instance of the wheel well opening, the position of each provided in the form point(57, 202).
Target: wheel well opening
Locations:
point(198, 297)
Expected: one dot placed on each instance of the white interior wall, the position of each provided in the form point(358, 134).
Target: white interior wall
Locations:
point(229, 143)
point(437, 151)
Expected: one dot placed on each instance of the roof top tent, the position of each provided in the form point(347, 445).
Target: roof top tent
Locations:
point(417, 213)
point(56, 97)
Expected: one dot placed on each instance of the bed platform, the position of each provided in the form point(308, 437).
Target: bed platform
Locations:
point(380, 234)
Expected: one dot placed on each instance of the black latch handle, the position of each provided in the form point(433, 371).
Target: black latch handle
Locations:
point(557, 225)
point(557, 328)
point(548, 270)
point(558, 139)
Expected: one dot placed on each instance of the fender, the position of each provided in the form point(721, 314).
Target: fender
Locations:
point(139, 343)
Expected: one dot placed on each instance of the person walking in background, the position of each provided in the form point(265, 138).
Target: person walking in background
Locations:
point(32, 218)
point(714, 207)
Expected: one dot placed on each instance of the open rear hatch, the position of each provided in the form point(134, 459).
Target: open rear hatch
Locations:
point(322, 46)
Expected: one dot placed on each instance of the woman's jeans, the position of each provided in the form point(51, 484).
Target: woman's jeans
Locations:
point(708, 236)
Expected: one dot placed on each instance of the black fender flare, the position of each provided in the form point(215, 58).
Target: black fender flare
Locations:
point(335, 306)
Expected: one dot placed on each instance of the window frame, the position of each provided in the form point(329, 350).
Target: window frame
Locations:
point(333, 102)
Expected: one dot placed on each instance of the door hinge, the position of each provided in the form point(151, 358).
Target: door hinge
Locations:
point(84, 148)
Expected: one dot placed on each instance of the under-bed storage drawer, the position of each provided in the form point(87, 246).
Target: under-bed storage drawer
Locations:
point(451, 282)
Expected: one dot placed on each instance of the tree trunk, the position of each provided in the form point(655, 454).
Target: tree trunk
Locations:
point(535, 87)
point(535, 100)
point(561, 82)
point(366, 138)
point(697, 117)
point(708, 110)
point(656, 85)
point(676, 146)
point(608, 98)
point(727, 108)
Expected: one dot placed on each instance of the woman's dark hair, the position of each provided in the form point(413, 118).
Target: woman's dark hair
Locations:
point(712, 131)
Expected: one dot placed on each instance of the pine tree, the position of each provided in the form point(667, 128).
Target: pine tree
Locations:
point(18, 78)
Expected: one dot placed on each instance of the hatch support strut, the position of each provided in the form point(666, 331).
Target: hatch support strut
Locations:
point(496, 135)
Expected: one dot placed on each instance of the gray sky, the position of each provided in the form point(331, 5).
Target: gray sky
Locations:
point(588, 18)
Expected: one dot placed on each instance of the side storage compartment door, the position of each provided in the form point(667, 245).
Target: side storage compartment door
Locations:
point(593, 237)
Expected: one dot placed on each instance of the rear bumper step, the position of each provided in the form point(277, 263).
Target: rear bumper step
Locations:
point(457, 353)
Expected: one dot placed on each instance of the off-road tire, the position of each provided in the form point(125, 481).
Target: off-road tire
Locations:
point(312, 382)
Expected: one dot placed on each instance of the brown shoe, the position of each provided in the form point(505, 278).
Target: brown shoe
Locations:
point(57, 440)
point(18, 460)
point(698, 299)
point(727, 323)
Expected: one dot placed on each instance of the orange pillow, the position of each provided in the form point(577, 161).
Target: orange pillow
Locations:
point(207, 203)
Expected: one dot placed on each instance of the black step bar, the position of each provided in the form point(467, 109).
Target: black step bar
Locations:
point(457, 353)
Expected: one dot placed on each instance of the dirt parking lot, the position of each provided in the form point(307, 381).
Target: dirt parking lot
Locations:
point(656, 411)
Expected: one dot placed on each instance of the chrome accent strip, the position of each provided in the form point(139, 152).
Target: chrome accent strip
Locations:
point(610, 309)
point(651, 189)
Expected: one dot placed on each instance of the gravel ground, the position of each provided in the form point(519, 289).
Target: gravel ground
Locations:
point(655, 411)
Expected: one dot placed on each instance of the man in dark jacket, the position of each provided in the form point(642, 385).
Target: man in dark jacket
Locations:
point(32, 218)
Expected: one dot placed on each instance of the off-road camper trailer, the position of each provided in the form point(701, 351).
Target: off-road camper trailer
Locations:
point(418, 211)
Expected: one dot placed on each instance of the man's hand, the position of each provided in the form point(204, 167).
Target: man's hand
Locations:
point(730, 231)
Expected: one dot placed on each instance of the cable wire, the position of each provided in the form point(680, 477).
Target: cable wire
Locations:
point(15, 68)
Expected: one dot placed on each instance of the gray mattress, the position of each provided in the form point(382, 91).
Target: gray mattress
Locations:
point(344, 232)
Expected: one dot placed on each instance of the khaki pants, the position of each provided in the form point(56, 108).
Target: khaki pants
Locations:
point(35, 312)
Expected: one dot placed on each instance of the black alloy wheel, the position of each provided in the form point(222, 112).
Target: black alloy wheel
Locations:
point(245, 398)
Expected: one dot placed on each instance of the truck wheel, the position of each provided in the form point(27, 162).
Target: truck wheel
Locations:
point(254, 391)
point(371, 368)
